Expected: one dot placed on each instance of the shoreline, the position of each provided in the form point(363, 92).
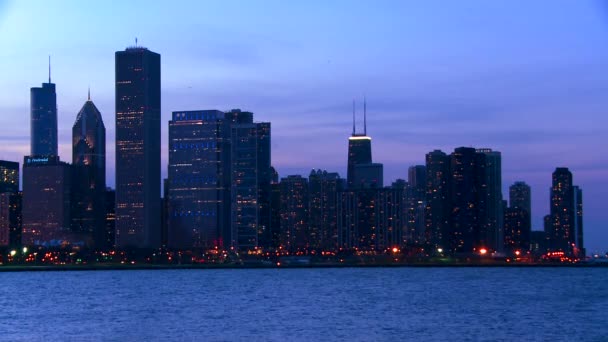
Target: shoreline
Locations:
point(119, 267)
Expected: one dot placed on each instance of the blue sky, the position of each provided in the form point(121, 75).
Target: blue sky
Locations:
point(527, 78)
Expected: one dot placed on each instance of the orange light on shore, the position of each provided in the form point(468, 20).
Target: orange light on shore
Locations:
point(517, 253)
point(395, 249)
point(483, 251)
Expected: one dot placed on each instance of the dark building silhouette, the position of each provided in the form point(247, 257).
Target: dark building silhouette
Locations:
point(438, 205)
point(275, 211)
point(538, 242)
point(164, 202)
point(265, 174)
point(198, 180)
point(468, 201)
point(46, 202)
point(323, 189)
point(562, 231)
point(370, 219)
point(517, 232)
point(138, 103)
point(494, 215)
point(43, 119)
point(520, 196)
point(578, 222)
point(250, 180)
point(415, 203)
point(110, 220)
point(294, 213)
point(10, 204)
point(89, 176)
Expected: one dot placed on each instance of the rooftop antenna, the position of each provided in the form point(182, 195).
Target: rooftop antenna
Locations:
point(49, 68)
point(364, 116)
point(353, 117)
point(89, 96)
point(135, 41)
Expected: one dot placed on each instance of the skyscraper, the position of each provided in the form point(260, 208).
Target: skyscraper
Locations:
point(89, 175)
point(468, 200)
point(494, 216)
point(294, 213)
point(265, 174)
point(199, 179)
point(578, 222)
point(138, 103)
point(562, 221)
point(415, 203)
point(323, 215)
point(250, 180)
point(43, 119)
point(438, 206)
point(359, 150)
point(520, 196)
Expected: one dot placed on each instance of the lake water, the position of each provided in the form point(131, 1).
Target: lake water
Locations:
point(360, 304)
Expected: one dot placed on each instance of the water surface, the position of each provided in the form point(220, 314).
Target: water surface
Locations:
point(361, 304)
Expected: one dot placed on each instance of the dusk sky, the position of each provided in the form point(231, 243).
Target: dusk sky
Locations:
point(526, 78)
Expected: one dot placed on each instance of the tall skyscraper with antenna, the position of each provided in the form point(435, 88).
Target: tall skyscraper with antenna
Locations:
point(43, 119)
point(359, 148)
point(138, 148)
point(89, 175)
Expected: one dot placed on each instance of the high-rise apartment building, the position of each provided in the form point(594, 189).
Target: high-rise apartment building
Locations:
point(323, 212)
point(294, 213)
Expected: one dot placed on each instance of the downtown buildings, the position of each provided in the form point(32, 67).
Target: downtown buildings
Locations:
point(62, 203)
point(221, 191)
point(219, 180)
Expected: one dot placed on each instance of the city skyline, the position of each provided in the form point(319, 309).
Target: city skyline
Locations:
point(530, 154)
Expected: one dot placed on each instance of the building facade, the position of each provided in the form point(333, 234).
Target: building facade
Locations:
point(43, 120)
point(323, 211)
point(47, 202)
point(138, 103)
point(294, 213)
point(198, 180)
point(89, 175)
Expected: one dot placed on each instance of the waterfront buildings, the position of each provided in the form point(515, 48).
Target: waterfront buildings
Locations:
point(565, 221)
point(138, 103)
point(438, 207)
point(324, 188)
point(198, 179)
point(88, 211)
point(294, 213)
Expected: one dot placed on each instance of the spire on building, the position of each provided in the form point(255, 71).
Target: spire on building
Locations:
point(49, 68)
point(364, 116)
point(354, 132)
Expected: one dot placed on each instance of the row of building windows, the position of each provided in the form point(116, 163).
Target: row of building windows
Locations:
point(198, 145)
point(183, 213)
point(184, 116)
